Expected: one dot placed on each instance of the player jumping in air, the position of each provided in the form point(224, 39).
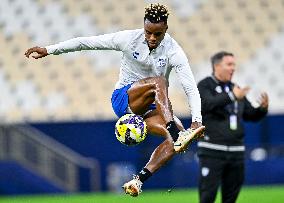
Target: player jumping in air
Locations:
point(149, 55)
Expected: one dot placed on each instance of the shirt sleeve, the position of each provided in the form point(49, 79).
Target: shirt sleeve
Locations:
point(114, 41)
point(179, 62)
point(251, 113)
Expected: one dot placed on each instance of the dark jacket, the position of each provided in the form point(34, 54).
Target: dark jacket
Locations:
point(218, 105)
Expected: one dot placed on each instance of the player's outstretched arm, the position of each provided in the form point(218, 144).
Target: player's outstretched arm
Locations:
point(40, 52)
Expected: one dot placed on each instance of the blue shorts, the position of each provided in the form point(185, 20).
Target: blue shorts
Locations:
point(120, 103)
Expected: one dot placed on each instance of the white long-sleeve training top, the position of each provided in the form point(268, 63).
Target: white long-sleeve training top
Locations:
point(138, 62)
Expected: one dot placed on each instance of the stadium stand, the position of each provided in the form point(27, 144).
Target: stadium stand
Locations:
point(42, 163)
point(69, 87)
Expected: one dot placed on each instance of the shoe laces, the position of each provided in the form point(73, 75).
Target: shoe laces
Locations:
point(190, 130)
point(182, 135)
point(137, 182)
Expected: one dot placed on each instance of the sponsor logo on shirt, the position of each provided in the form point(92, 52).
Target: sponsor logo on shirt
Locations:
point(218, 89)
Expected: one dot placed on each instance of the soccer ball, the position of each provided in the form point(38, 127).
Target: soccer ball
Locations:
point(130, 129)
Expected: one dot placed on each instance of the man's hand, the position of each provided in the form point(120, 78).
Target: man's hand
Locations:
point(240, 93)
point(40, 52)
point(264, 101)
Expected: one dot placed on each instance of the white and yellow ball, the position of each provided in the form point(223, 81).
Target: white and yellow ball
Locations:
point(130, 129)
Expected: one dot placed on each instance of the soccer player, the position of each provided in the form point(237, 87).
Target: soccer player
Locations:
point(149, 55)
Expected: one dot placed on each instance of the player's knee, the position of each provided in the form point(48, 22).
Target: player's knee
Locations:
point(157, 129)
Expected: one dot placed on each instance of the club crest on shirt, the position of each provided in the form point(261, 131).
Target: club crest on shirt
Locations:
point(162, 62)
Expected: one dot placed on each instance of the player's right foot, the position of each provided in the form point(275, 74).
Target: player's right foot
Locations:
point(186, 137)
point(133, 187)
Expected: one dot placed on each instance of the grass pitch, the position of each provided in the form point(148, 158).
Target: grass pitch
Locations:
point(265, 194)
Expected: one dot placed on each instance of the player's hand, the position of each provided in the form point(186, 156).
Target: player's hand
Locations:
point(240, 93)
point(264, 100)
point(40, 52)
point(195, 125)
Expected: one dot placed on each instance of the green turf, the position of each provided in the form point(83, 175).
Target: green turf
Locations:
point(274, 194)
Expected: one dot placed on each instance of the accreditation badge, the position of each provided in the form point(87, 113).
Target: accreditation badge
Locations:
point(233, 122)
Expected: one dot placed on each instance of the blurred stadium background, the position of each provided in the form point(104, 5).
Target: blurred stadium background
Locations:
point(57, 125)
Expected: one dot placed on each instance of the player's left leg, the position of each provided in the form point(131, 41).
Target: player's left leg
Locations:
point(232, 180)
point(160, 156)
point(165, 151)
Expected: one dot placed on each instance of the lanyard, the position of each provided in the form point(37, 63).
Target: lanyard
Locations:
point(233, 109)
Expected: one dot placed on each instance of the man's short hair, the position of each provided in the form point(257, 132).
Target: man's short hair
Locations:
point(217, 58)
point(156, 13)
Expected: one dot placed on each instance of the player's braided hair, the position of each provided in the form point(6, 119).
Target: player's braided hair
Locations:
point(156, 13)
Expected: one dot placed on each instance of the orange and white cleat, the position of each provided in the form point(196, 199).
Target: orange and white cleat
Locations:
point(186, 137)
point(133, 187)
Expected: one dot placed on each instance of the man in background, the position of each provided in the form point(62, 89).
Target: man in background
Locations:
point(221, 151)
